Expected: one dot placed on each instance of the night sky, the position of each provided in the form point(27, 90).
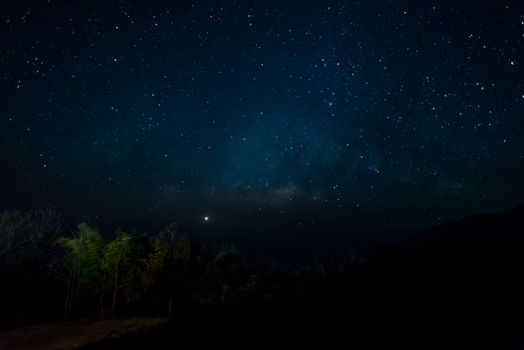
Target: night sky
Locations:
point(270, 118)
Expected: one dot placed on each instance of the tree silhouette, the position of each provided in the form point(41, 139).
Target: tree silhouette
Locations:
point(170, 250)
point(115, 265)
point(84, 256)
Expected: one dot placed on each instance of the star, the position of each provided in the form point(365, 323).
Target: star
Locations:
point(305, 118)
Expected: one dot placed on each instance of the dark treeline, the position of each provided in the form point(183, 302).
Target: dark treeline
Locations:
point(54, 272)
point(458, 279)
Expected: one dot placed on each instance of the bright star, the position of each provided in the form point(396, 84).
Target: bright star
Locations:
point(206, 218)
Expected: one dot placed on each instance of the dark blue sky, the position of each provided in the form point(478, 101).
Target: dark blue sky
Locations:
point(268, 116)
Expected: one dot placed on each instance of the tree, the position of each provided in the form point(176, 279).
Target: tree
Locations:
point(83, 258)
point(115, 264)
point(14, 228)
point(29, 236)
point(169, 250)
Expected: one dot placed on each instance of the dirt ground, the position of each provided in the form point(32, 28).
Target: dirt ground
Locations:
point(73, 335)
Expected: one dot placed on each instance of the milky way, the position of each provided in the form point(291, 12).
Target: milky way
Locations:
point(304, 115)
